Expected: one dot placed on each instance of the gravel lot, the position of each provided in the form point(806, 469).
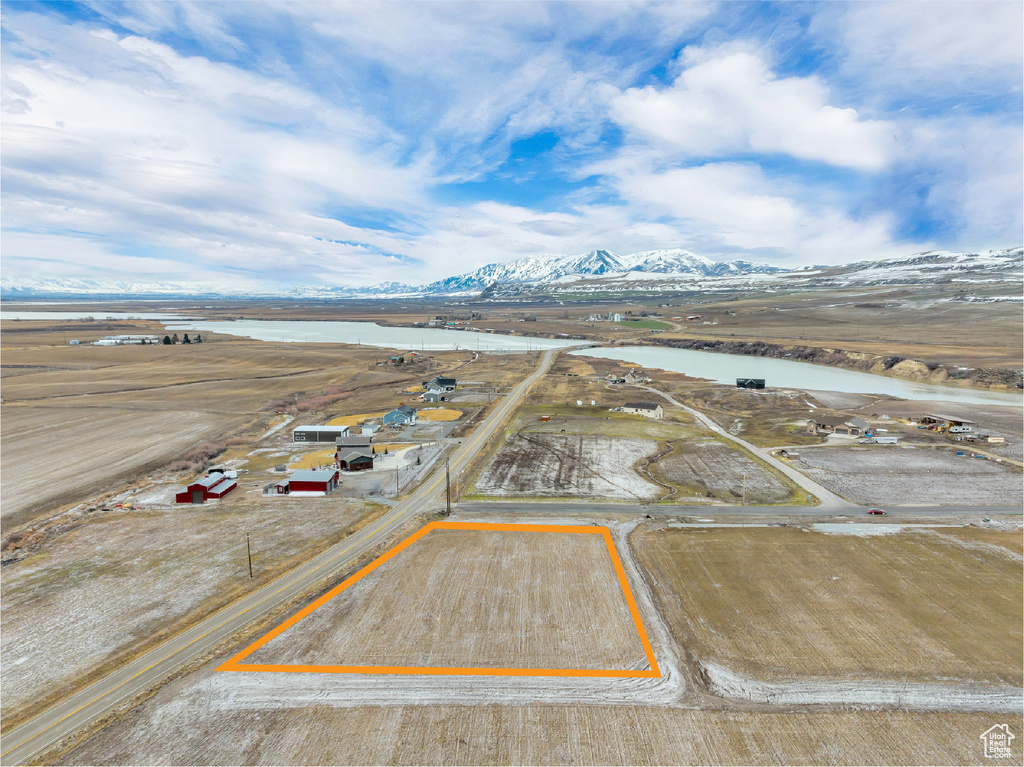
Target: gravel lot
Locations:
point(880, 475)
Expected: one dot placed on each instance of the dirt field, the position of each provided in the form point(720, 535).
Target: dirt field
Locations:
point(884, 475)
point(102, 446)
point(568, 465)
point(120, 580)
point(707, 467)
point(787, 604)
point(475, 598)
point(180, 726)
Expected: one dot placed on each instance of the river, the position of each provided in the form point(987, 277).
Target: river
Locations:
point(726, 368)
point(370, 334)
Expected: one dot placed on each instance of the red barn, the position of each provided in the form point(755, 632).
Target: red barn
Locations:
point(212, 487)
point(309, 482)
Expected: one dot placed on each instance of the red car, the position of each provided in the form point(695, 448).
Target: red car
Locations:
point(876, 512)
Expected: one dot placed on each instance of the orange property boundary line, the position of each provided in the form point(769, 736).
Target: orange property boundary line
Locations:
point(235, 663)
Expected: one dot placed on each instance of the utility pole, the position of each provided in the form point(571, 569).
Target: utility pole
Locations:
point(744, 501)
point(248, 551)
point(447, 488)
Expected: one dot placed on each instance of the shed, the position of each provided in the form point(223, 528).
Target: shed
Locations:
point(212, 487)
point(308, 482)
point(355, 460)
point(433, 395)
point(319, 433)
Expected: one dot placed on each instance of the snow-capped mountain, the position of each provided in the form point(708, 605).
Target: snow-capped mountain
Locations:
point(597, 271)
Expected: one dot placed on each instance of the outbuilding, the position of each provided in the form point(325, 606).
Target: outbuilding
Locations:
point(403, 415)
point(355, 460)
point(309, 482)
point(319, 433)
point(433, 395)
point(646, 409)
point(212, 487)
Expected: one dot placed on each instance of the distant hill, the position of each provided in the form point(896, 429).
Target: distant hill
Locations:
point(599, 271)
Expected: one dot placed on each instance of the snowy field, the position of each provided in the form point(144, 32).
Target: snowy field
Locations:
point(877, 475)
point(563, 465)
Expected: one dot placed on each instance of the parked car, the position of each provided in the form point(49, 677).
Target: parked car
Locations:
point(876, 512)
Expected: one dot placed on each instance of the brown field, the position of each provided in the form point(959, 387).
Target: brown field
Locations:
point(116, 413)
point(763, 418)
point(569, 466)
point(707, 467)
point(474, 598)
point(180, 726)
point(784, 603)
point(117, 582)
point(52, 456)
point(878, 320)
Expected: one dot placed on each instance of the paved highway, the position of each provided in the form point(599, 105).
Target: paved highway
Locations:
point(96, 701)
point(708, 511)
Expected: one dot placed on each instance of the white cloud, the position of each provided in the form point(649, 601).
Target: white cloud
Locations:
point(728, 100)
point(909, 49)
point(737, 206)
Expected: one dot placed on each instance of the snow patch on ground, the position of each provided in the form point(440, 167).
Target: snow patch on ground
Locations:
point(864, 693)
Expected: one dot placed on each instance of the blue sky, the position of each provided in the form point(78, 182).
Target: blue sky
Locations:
point(255, 143)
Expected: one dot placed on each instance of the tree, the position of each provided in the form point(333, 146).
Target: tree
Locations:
point(167, 340)
point(174, 338)
point(185, 339)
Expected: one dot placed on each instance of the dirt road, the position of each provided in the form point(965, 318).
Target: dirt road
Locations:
point(827, 497)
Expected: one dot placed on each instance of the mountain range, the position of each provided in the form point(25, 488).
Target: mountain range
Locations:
point(599, 271)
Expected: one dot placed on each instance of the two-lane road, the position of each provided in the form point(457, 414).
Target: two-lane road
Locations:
point(99, 699)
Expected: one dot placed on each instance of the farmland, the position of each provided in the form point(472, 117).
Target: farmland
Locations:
point(569, 465)
point(786, 604)
point(707, 467)
point(119, 581)
point(876, 475)
point(475, 598)
point(191, 730)
point(104, 446)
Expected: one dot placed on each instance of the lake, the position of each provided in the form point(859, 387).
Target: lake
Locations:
point(370, 334)
point(726, 368)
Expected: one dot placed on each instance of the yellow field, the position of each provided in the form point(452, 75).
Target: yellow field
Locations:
point(391, 447)
point(314, 459)
point(439, 414)
point(353, 420)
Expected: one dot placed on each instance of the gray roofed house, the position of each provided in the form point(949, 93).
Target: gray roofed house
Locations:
point(403, 414)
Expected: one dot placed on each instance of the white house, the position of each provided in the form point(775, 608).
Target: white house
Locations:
point(646, 409)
